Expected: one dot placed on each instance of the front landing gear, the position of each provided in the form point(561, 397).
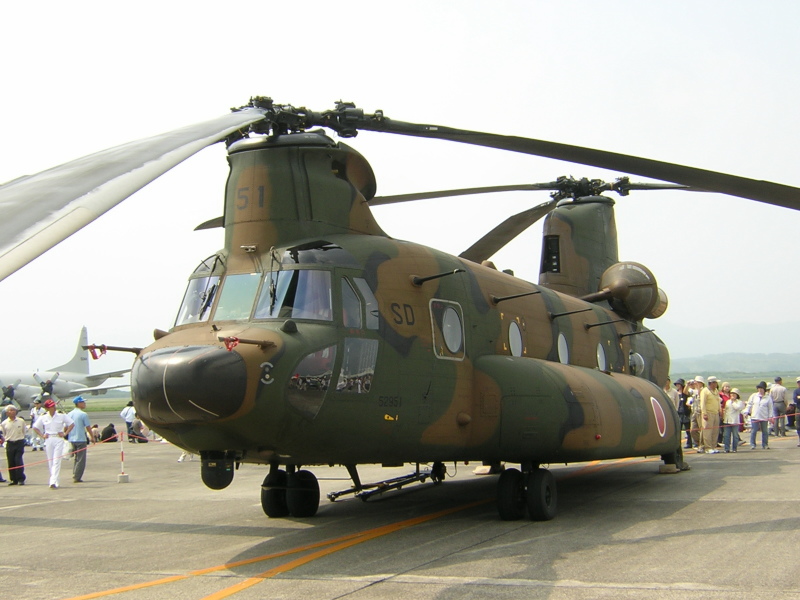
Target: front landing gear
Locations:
point(534, 491)
point(295, 493)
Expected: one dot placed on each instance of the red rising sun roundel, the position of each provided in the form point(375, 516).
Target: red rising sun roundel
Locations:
point(661, 418)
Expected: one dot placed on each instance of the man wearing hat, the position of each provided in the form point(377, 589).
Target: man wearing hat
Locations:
point(79, 436)
point(12, 433)
point(53, 427)
point(759, 407)
point(778, 395)
point(710, 408)
point(37, 410)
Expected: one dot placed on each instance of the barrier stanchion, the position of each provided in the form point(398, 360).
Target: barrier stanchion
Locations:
point(123, 476)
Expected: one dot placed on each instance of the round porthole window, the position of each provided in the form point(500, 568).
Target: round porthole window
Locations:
point(636, 362)
point(451, 330)
point(514, 339)
point(601, 358)
point(563, 349)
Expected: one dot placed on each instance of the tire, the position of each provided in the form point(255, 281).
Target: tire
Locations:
point(273, 495)
point(511, 495)
point(302, 494)
point(542, 496)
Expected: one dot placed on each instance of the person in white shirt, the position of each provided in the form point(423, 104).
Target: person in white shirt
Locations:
point(54, 428)
point(730, 421)
point(37, 411)
point(128, 413)
point(759, 407)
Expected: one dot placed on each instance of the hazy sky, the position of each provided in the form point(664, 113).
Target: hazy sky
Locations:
point(710, 84)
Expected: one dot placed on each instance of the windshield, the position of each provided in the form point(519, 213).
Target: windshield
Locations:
point(197, 300)
point(237, 296)
point(296, 294)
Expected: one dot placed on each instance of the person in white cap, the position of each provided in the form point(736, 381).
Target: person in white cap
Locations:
point(37, 410)
point(53, 427)
point(710, 408)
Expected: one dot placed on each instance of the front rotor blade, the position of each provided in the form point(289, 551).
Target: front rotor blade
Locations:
point(39, 211)
point(501, 235)
point(525, 187)
point(711, 181)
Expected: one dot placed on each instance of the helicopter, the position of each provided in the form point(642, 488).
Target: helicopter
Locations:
point(313, 338)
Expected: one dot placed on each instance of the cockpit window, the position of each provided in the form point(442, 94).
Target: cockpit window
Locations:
point(351, 306)
point(197, 300)
point(237, 296)
point(371, 303)
point(296, 294)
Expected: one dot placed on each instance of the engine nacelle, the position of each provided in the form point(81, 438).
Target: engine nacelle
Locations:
point(632, 291)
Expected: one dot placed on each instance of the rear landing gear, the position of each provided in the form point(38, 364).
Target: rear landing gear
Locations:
point(273, 494)
point(302, 494)
point(295, 493)
point(534, 491)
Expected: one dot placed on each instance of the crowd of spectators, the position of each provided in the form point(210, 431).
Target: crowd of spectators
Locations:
point(714, 415)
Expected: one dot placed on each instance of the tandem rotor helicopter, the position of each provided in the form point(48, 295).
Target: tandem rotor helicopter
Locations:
point(313, 338)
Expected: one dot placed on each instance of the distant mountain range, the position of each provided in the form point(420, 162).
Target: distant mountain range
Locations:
point(776, 344)
point(785, 365)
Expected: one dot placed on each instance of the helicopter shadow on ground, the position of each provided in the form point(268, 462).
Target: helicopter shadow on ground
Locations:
point(606, 518)
point(629, 524)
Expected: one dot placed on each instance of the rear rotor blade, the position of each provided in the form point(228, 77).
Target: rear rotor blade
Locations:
point(38, 211)
point(505, 232)
point(711, 181)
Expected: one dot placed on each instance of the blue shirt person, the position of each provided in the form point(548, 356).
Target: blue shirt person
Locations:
point(79, 437)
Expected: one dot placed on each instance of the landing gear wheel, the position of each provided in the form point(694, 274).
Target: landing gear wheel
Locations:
point(542, 497)
point(511, 495)
point(438, 471)
point(302, 494)
point(273, 495)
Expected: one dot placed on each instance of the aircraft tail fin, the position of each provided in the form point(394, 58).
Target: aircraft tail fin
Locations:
point(79, 363)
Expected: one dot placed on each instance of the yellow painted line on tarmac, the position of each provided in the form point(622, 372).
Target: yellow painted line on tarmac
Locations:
point(335, 544)
point(358, 539)
point(328, 547)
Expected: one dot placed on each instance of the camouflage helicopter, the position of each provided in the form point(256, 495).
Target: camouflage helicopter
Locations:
point(313, 338)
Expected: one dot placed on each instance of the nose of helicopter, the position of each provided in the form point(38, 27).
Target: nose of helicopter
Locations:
point(188, 384)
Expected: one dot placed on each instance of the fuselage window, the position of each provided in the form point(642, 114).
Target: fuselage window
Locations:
point(515, 339)
point(601, 358)
point(310, 381)
point(448, 329)
point(370, 302)
point(636, 363)
point(197, 300)
point(563, 349)
point(237, 297)
point(351, 306)
point(358, 366)
point(296, 294)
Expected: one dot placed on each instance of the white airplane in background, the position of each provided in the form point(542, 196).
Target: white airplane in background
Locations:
point(65, 381)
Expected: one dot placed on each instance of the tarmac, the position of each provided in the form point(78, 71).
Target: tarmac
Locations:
point(726, 528)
